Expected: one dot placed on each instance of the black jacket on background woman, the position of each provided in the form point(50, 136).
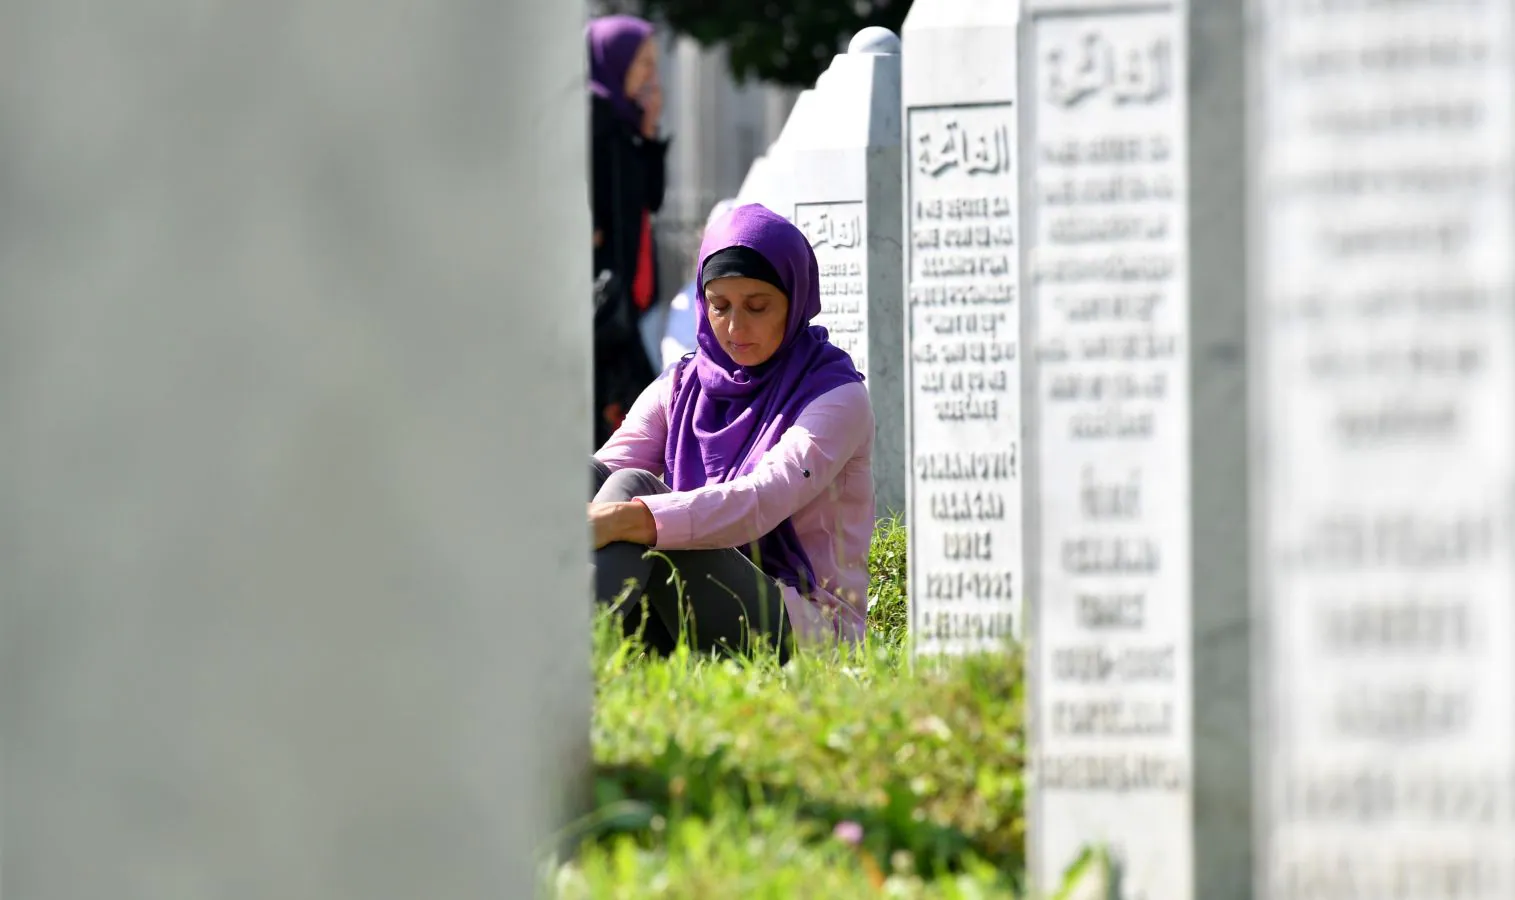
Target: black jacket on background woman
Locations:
point(627, 181)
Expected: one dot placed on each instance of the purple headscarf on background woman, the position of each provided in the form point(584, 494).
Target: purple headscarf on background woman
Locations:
point(613, 45)
point(724, 416)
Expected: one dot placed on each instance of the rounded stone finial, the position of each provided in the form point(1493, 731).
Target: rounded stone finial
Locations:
point(875, 39)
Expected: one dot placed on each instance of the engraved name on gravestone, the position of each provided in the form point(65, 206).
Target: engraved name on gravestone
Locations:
point(965, 377)
point(1106, 222)
point(835, 232)
point(1385, 221)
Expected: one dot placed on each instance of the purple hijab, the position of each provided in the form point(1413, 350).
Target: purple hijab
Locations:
point(724, 417)
point(613, 44)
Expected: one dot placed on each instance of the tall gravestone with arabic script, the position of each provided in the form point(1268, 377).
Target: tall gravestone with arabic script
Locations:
point(1383, 292)
point(963, 349)
point(1132, 187)
point(841, 175)
point(292, 496)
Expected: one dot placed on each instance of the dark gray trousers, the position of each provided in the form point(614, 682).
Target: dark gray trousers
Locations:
point(726, 600)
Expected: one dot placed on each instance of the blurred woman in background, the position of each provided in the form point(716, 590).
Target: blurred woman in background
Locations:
point(628, 172)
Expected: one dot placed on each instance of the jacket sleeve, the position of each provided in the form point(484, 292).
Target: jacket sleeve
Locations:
point(806, 461)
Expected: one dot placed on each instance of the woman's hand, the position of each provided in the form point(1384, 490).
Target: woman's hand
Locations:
point(652, 108)
point(631, 522)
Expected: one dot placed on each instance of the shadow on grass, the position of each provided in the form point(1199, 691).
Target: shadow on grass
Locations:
point(630, 797)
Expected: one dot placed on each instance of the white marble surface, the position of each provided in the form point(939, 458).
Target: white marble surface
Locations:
point(1384, 212)
point(963, 325)
point(838, 234)
point(1106, 223)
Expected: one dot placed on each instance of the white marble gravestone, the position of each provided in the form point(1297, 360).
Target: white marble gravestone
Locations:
point(768, 181)
point(841, 172)
point(1383, 277)
point(756, 186)
point(294, 567)
point(1135, 458)
point(963, 358)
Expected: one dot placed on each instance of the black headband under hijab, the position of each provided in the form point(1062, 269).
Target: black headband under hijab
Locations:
point(742, 262)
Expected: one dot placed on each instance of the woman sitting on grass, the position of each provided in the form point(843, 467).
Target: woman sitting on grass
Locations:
point(763, 438)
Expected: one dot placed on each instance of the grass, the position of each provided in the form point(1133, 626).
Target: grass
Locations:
point(844, 774)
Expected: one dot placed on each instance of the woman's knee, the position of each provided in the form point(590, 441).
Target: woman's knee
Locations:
point(628, 484)
point(598, 474)
point(620, 567)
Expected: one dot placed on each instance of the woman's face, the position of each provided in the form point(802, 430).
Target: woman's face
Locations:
point(748, 317)
point(643, 71)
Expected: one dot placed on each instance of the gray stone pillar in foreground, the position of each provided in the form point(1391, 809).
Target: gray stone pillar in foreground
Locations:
point(1132, 211)
point(291, 491)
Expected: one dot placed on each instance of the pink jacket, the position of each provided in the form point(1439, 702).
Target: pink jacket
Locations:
point(832, 510)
